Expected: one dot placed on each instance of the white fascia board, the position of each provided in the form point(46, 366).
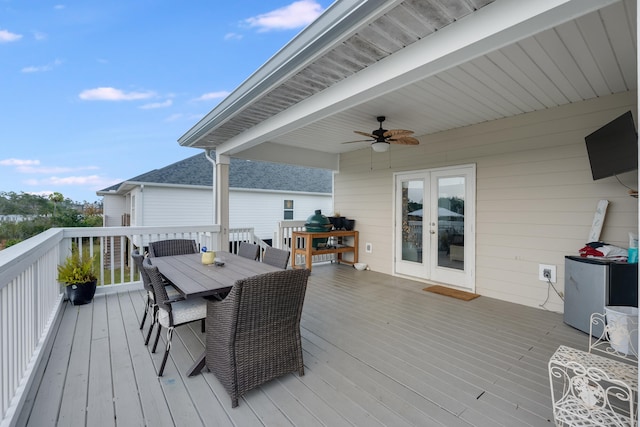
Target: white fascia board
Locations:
point(336, 24)
point(128, 186)
point(494, 26)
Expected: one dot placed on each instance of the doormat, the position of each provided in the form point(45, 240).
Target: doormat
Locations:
point(443, 290)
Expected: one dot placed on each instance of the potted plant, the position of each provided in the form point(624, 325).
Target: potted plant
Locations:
point(78, 274)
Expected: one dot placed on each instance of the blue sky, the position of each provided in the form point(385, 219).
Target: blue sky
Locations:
point(96, 92)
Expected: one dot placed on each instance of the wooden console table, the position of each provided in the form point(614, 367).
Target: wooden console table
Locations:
point(305, 239)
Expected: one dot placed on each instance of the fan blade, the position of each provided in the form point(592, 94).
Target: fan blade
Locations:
point(365, 134)
point(397, 132)
point(404, 140)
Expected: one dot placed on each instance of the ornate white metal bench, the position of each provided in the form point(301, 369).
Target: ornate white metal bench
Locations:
point(616, 340)
point(588, 389)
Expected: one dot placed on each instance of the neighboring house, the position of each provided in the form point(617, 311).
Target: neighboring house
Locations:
point(261, 194)
point(500, 95)
point(16, 218)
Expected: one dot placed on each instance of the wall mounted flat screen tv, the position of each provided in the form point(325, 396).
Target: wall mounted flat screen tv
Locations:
point(613, 149)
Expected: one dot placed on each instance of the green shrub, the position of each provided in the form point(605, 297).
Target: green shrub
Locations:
point(77, 268)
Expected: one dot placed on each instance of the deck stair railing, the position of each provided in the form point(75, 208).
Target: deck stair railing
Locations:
point(247, 234)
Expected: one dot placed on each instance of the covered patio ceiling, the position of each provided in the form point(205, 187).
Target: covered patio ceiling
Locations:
point(428, 65)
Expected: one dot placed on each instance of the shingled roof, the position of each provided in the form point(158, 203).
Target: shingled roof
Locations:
point(246, 174)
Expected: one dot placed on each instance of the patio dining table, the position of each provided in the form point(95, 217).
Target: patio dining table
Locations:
point(193, 279)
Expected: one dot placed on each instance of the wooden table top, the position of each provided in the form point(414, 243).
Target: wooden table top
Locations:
point(193, 279)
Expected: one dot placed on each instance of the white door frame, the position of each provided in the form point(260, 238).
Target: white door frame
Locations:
point(429, 269)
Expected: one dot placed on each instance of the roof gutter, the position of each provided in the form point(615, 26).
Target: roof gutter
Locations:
point(333, 26)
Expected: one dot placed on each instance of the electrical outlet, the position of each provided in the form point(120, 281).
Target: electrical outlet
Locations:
point(368, 248)
point(547, 273)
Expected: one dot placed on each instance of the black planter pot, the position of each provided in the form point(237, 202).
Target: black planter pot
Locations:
point(349, 224)
point(337, 221)
point(82, 293)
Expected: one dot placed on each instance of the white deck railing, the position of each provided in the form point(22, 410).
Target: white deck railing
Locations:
point(31, 297)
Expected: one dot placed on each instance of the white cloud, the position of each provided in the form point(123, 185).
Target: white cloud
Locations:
point(42, 68)
point(68, 180)
point(33, 167)
point(213, 95)
point(296, 15)
point(19, 162)
point(113, 94)
point(8, 36)
point(51, 169)
point(174, 117)
point(155, 105)
point(40, 36)
point(233, 36)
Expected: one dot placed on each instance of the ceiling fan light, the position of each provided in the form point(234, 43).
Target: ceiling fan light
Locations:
point(380, 147)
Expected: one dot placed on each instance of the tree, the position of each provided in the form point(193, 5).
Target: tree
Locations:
point(56, 198)
point(37, 215)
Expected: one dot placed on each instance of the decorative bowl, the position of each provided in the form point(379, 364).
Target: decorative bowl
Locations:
point(360, 266)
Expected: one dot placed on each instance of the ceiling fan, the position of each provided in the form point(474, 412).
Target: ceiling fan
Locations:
point(383, 137)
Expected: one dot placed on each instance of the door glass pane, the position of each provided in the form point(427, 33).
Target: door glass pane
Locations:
point(412, 195)
point(451, 222)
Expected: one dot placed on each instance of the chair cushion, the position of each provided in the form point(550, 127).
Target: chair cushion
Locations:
point(185, 311)
point(171, 292)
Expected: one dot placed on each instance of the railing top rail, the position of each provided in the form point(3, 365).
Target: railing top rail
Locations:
point(116, 231)
point(15, 259)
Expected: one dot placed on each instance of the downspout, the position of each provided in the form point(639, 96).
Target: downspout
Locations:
point(141, 205)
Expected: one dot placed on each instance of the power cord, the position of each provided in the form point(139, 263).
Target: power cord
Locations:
point(560, 294)
point(624, 185)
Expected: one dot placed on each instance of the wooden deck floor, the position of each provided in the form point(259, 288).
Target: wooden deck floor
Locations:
point(378, 351)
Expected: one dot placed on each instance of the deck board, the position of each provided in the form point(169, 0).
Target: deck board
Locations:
point(126, 401)
point(74, 399)
point(47, 402)
point(378, 350)
point(100, 411)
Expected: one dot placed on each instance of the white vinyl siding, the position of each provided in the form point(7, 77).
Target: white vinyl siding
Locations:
point(113, 209)
point(177, 206)
point(535, 196)
point(262, 210)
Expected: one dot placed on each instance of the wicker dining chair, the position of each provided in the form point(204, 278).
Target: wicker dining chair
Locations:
point(150, 305)
point(276, 257)
point(171, 312)
point(172, 247)
point(248, 250)
point(253, 335)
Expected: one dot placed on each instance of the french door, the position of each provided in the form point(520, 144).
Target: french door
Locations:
point(435, 225)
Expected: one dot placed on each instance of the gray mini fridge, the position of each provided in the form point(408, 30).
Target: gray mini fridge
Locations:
point(591, 284)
